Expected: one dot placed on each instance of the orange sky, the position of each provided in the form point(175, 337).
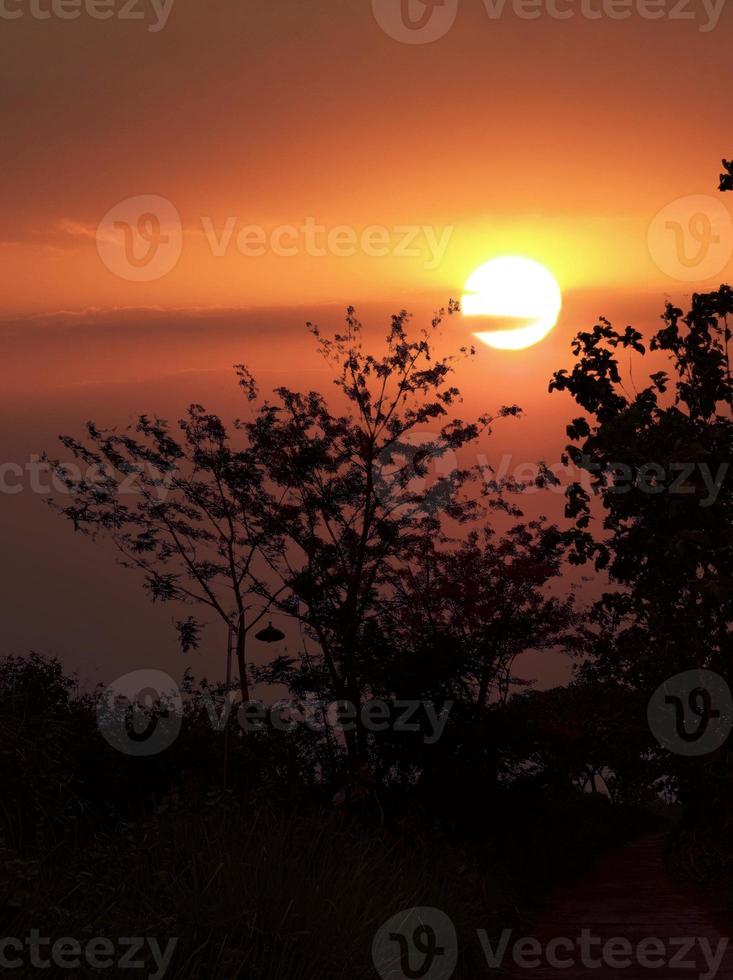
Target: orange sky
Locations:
point(558, 139)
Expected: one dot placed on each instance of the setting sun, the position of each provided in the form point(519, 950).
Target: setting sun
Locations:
point(516, 298)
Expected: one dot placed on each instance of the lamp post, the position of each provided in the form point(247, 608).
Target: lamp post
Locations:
point(268, 635)
point(230, 645)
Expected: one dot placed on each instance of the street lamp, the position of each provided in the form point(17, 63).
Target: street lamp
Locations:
point(269, 634)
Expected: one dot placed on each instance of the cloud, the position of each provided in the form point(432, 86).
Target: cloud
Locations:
point(64, 234)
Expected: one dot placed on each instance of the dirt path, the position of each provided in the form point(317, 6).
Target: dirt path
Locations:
point(629, 895)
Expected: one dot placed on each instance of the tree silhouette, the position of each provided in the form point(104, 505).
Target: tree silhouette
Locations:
point(486, 599)
point(659, 459)
point(352, 495)
point(726, 179)
point(192, 514)
point(303, 508)
point(659, 466)
point(591, 733)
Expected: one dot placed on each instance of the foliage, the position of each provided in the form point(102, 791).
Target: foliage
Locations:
point(191, 514)
point(323, 512)
point(349, 508)
point(659, 465)
point(274, 883)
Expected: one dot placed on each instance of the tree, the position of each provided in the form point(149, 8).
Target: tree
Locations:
point(659, 467)
point(192, 514)
point(659, 460)
point(353, 505)
point(592, 734)
point(726, 179)
point(485, 597)
point(454, 620)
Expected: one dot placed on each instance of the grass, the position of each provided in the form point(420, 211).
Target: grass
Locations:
point(296, 893)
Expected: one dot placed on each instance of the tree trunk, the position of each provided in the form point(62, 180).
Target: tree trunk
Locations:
point(241, 661)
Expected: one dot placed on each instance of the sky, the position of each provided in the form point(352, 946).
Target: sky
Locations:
point(183, 190)
point(561, 138)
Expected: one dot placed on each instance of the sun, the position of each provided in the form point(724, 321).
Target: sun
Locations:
point(515, 300)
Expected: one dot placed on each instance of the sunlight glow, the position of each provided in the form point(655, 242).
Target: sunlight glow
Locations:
point(518, 296)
